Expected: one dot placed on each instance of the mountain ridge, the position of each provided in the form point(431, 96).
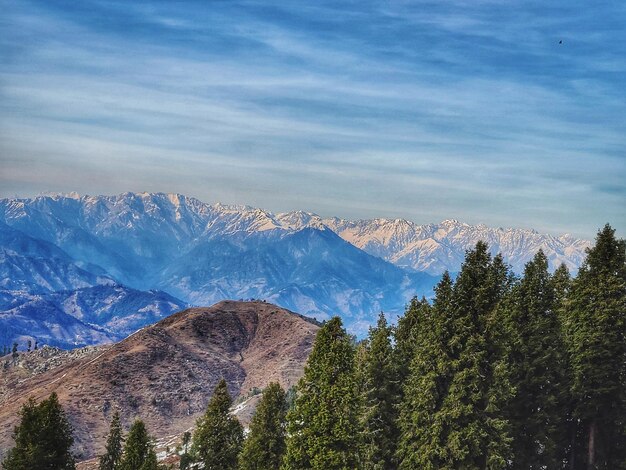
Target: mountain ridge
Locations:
point(398, 240)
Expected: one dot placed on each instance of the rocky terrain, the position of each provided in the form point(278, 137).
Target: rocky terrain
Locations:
point(164, 373)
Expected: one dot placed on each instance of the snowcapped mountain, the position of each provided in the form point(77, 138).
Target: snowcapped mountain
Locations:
point(74, 318)
point(202, 253)
point(156, 226)
point(435, 248)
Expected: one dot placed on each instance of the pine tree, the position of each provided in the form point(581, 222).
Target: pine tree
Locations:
point(112, 457)
point(322, 426)
point(536, 355)
point(379, 398)
point(138, 451)
point(596, 339)
point(264, 447)
point(561, 284)
point(427, 383)
point(416, 316)
point(360, 382)
point(42, 439)
point(451, 414)
point(218, 436)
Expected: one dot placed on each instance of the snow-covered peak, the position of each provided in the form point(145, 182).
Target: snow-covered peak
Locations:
point(148, 221)
point(296, 220)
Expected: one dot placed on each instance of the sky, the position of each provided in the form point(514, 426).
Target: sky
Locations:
point(508, 113)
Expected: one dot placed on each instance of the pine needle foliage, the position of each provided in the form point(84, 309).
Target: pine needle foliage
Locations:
point(264, 446)
point(218, 437)
point(595, 325)
point(406, 333)
point(112, 457)
point(138, 450)
point(42, 439)
point(322, 426)
point(451, 416)
point(380, 393)
point(536, 355)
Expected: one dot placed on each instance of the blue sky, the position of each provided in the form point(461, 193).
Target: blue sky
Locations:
point(466, 109)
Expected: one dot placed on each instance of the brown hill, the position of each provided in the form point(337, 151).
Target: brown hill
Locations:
point(164, 373)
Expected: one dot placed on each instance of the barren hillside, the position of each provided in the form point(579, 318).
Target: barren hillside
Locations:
point(164, 373)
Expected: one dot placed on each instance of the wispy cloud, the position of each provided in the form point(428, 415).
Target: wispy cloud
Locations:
point(424, 110)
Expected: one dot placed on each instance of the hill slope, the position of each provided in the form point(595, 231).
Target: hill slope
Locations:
point(164, 373)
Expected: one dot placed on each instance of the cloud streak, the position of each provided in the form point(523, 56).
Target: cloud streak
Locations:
point(424, 110)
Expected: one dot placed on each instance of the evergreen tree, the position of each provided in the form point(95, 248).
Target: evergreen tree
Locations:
point(112, 457)
point(427, 383)
point(451, 414)
point(42, 439)
point(536, 356)
point(138, 451)
point(379, 398)
point(416, 316)
point(561, 284)
point(218, 436)
point(264, 447)
point(596, 339)
point(322, 426)
point(360, 382)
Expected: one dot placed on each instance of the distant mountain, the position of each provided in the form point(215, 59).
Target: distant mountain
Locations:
point(310, 270)
point(435, 248)
point(154, 227)
point(37, 319)
point(203, 253)
point(164, 373)
point(37, 266)
point(80, 317)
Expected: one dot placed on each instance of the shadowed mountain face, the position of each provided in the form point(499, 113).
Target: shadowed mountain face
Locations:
point(38, 266)
point(164, 373)
point(203, 253)
point(310, 270)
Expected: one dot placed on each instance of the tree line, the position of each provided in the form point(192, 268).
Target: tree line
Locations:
point(497, 372)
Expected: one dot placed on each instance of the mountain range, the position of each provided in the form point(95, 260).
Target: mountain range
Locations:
point(171, 250)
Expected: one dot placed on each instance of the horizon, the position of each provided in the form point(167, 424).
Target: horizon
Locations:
point(502, 114)
point(74, 194)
